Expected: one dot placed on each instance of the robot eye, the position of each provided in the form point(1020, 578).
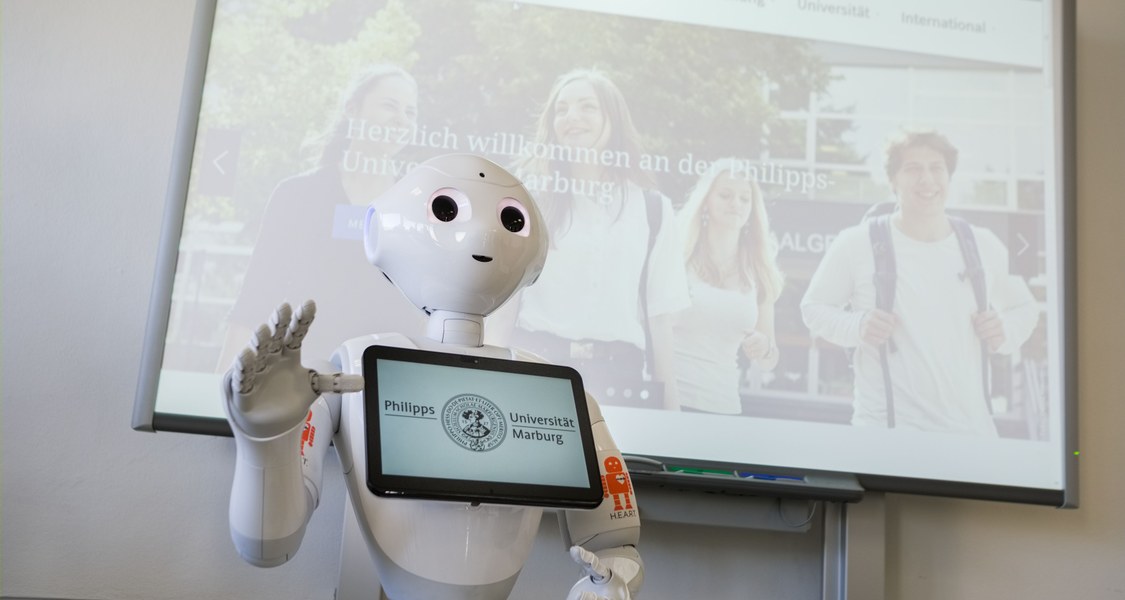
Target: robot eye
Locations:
point(449, 204)
point(512, 219)
point(444, 208)
point(513, 216)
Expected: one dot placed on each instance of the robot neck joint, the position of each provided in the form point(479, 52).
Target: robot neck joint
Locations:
point(455, 328)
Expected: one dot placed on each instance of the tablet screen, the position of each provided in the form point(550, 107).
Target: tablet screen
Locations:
point(474, 429)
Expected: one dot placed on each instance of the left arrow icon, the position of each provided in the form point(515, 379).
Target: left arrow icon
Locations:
point(215, 162)
point(221, 148)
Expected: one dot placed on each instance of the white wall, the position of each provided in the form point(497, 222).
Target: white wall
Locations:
point(90, 94)
point(93, 510)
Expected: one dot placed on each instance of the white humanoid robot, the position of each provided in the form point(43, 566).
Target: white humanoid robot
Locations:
point(458, 236)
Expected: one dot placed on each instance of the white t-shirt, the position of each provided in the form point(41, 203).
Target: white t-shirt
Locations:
point(589, 288)
point(936, 367)
point(709, 336)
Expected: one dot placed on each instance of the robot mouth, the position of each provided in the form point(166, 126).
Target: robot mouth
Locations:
point(482, 258)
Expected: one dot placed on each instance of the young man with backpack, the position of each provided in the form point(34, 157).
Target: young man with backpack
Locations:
point(923, 298)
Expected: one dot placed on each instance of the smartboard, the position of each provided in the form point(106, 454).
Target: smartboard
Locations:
point(779, 116)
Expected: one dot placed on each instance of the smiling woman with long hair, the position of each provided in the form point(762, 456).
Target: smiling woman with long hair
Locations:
point(613, 275)
point(731, 255)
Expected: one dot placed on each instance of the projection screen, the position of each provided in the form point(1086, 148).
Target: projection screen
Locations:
point(713, 174)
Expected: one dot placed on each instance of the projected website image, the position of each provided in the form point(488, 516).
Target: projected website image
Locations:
point(709, 194)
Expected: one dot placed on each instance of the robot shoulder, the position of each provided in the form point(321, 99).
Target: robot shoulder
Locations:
point(348, 357)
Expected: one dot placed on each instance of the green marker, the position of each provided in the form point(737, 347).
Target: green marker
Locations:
point(699, 471)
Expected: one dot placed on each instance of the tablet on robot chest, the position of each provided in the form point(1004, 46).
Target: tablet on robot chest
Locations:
point(474, 429)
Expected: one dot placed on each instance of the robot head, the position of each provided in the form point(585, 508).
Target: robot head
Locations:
point(458, 233)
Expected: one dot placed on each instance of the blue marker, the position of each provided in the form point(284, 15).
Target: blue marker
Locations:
point(769, 477)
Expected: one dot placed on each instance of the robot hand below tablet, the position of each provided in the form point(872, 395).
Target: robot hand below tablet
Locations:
point(600, 582)
point(267, 390)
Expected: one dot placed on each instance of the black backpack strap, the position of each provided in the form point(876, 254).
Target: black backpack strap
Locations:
point(879, 229)
point(974, 273)
point(654, 209)
point(882, 248)
point(974, 268)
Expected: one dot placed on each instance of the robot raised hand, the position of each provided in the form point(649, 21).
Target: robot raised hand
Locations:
point(269, 390)
point(458, 236)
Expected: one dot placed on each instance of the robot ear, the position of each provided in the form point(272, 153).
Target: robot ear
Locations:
point(371, 234)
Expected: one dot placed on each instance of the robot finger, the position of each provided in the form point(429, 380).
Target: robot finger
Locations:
point(260, 344)
point(242, 373)
point(299, 325)
point(278, 326)
point(279, 320)
point(259, 339)
point(589, 563)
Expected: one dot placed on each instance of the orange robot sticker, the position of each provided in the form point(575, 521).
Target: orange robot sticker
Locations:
point(308, 435)
point(616, 482)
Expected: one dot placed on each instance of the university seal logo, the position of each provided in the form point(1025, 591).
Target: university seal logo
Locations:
point(474, 422)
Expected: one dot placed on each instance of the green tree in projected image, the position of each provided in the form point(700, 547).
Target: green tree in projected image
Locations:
point(704, 91)
point(276, 74)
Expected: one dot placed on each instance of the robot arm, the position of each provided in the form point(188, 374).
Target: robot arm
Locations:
point(604, 539)
point(272, 405)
